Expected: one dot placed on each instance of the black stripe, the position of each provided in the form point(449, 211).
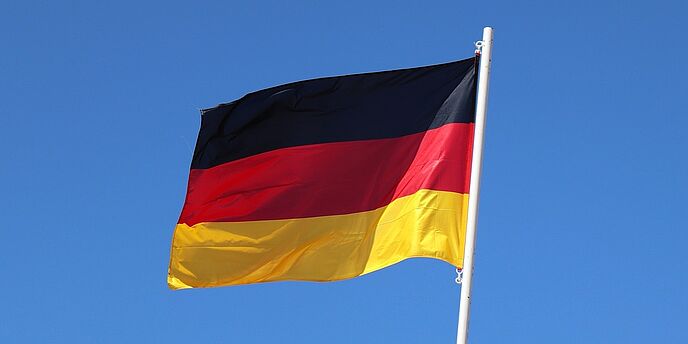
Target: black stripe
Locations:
point(343, 108)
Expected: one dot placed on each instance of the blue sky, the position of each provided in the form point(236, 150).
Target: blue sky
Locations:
point(582, 233)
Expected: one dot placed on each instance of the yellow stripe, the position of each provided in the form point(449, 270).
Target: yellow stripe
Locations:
point(426, 224)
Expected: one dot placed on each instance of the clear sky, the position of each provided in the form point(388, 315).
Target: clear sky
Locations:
point(582, 233)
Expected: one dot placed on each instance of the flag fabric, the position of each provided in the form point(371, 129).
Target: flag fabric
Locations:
point(329, 179)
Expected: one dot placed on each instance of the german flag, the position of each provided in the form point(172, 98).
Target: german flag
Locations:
point(329, 179)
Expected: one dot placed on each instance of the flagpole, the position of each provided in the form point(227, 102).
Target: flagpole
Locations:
point(480, 114)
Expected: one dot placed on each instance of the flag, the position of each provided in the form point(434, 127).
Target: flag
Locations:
point(329, 179)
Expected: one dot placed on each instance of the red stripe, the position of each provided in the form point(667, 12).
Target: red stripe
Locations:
point(331, 178)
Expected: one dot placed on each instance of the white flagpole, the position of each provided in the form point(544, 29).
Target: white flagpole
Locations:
point(480, 114)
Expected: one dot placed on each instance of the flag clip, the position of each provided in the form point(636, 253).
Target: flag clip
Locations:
point(478, 47)
point(459, 276)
